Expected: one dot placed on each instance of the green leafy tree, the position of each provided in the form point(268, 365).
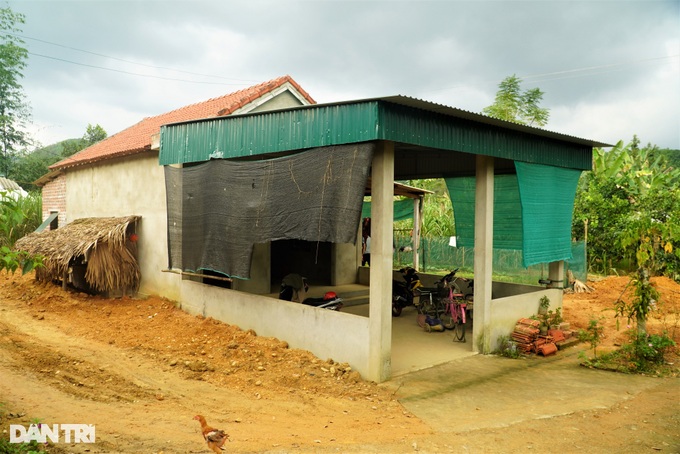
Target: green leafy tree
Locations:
point(630, 195)
point(437, 210)
point(29, 167)
point(14, 110)
point(17, 216)
point(513, 104)
point(93, 134)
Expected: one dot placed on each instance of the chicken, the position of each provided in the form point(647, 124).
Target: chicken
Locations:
point(214, 437)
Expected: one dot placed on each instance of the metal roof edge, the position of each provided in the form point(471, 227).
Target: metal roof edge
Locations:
point(431, 107)
point(467, 115)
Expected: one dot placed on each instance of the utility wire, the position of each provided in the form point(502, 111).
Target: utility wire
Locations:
point(124, 61)
point(589, 68)
point(131, 73)
point(569, 73)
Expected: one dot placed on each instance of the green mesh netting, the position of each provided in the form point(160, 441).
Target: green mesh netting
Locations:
point(437, 256)
point(507, 213)
point(403, 209)
point(547, 194)
point(532, 211)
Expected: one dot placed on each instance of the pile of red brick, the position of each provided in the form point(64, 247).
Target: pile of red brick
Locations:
point(529, 340)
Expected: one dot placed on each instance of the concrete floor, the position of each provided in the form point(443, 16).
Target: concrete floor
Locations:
point(486, 391)
point(413, 348)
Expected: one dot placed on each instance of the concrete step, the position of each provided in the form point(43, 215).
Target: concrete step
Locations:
point(355, 298)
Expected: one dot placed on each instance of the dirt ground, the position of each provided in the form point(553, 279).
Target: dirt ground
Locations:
point(140, 369)
point(580, 308)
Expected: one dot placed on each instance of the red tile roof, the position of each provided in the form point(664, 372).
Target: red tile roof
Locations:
point(137, 138)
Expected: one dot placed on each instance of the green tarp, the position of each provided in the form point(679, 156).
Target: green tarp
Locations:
point(403, 209)
point(547, 195)
point(507, 213)
point(532, 211)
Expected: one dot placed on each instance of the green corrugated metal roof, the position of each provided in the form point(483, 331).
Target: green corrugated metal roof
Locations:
point(400, 119)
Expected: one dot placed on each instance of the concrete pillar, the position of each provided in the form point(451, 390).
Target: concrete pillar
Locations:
point(481, 333)
point(343, 263)
point(556, 274)
point(380, 293)
point(417, 225)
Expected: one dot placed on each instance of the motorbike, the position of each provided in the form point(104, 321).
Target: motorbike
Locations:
point(293, 284)
point(403, 292)
point(410, 291)
point(329, 301)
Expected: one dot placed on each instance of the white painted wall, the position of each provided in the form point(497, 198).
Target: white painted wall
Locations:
point(123, 187)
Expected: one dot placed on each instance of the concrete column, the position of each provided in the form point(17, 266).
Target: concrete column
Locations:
point(343, 263)
point(556, 274)
point(417, 225)
point(380, 293)
point(481, 341)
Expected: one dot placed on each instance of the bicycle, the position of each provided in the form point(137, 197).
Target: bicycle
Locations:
point(454, 315)
point(447, 303)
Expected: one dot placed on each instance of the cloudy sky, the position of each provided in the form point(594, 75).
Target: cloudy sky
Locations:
point(609, 69)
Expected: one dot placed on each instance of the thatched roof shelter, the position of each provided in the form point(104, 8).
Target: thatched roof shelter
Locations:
point(103, 244)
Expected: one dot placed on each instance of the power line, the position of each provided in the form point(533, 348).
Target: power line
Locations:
point(589, 68)
point(131, 73)
point(124, 61)
point(569, 73)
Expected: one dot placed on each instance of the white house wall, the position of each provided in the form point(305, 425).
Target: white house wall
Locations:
point(123, 187)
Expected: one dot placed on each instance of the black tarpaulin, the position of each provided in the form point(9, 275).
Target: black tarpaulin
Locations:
point(219, 209)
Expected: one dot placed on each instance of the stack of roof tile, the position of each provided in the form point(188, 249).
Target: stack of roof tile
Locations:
point(525, 334)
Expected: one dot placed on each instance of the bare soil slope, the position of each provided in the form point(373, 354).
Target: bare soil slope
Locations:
point(140, 369)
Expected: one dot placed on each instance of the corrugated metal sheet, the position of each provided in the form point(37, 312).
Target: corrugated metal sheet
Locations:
point(404, 120)
point(267, 133)
point(434, 130)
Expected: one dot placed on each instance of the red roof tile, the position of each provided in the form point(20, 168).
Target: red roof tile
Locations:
point(137, 138)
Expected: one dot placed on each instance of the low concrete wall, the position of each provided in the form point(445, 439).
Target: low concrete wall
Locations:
point(327, 334)
point(506, 311)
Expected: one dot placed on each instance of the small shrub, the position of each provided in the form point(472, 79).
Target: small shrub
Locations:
point(646, 351)
point(555, 318)
point(507, 347)
point(592, 334)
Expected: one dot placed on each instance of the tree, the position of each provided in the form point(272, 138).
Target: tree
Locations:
point(14, 111)
point(28, 167)
point(511, 104)
point(17, 217)
point(93, 134)
point(631, 194)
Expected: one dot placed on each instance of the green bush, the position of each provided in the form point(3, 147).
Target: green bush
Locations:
point(648, 350)
point(18, 218)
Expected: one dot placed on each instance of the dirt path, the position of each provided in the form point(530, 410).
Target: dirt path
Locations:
point(139, 370)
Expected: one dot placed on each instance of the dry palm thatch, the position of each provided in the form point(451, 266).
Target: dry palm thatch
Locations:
point(111, 265)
